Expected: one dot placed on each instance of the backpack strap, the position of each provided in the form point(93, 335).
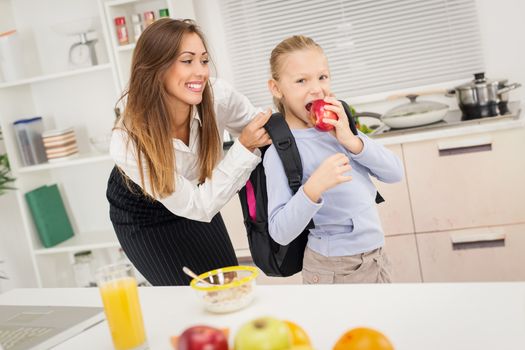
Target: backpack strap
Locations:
point(351, 117)
point(286, 147)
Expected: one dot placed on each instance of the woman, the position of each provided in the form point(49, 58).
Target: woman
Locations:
point(169, 182)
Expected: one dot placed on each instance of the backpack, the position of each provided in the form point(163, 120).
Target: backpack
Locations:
point(269, 256)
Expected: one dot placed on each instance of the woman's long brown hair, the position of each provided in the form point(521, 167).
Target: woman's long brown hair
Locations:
point(147, 118)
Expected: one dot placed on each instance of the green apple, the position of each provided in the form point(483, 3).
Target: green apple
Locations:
point(265, 333)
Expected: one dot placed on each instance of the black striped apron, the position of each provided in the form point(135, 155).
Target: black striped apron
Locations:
point(158, 242)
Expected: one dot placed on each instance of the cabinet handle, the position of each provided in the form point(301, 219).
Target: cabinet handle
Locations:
point(482, 237)
point(450, 148)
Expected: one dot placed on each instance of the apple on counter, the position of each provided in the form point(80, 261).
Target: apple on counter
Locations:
point(265, 333)
point(318, 113)
point(201, 338)
point(268, 333)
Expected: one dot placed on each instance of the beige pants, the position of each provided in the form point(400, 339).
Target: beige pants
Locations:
point(369, 267)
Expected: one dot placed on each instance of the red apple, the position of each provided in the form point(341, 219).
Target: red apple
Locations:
point(201, 338)
point(318, 113)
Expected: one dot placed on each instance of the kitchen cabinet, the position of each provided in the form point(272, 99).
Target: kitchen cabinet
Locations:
point(66, 95)
point(466, 197)
point(467, 181)
point(395, 212)
point(475, 255)
point(402, 252)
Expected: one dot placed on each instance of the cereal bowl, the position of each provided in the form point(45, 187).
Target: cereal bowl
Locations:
point(232, 288)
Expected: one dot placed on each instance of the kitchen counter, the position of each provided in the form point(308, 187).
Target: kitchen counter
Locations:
point(414, 316)
point(451, 126)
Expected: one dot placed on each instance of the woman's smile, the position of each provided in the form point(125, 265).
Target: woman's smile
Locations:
point(195, 86)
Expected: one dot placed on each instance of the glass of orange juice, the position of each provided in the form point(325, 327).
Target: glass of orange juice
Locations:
point(119, 292)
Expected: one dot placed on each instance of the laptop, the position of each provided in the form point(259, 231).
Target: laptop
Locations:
point(42, 327)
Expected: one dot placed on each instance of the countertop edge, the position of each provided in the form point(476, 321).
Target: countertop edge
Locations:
point(452, 131)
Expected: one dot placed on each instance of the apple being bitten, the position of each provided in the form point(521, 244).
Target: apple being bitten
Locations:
point(201, 338)
point(318, 113)
point(265, 333)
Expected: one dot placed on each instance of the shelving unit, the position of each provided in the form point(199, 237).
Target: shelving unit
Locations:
point(126, 8)
point(83, 98)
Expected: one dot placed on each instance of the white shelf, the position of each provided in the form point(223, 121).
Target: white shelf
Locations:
point(127, 47)
point(119, 2)
point(48, 77)
point(81, 159)
point(84, 241)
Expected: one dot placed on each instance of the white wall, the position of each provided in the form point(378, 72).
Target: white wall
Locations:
point(502, 25)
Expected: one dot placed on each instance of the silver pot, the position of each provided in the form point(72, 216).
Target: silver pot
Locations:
point(503, 93)
point(481, 97)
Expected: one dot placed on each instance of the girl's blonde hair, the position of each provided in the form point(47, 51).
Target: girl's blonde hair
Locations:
point(288, 45)
point(147, 117)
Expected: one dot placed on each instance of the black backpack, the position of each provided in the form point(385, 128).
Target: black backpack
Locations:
point(271, 257)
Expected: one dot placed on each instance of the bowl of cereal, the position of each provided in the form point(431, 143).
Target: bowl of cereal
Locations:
point(227, 289)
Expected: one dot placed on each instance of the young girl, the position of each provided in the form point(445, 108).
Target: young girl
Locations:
point(346, 244)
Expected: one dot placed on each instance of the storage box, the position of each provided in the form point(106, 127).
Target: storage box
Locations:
point(28, 134)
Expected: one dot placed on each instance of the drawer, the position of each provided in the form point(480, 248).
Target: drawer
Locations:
point(402, 252)
point(466, 182)
point(395, 211)
point(481, 254)
point(233, 219)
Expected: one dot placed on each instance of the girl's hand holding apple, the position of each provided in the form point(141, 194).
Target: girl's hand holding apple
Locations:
point(341, 126)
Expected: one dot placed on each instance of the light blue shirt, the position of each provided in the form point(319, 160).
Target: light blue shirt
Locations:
point(346, 219)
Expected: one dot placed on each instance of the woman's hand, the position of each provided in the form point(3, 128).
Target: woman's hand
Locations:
point(342, 127)
point(254, 135)
point(329, 174)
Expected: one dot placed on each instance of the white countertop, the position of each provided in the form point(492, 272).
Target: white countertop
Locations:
point(448, 316)
point(470, 127)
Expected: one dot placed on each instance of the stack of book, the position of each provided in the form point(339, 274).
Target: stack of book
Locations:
point(60, 144)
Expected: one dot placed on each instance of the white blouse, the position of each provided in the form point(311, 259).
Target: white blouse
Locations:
point(200, 202)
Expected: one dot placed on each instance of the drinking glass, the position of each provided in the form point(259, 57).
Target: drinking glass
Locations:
point(119, 292)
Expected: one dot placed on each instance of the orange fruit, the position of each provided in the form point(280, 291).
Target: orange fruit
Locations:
point(297, 334)
point(363, 339)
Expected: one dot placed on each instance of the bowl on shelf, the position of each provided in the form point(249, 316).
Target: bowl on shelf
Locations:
point(101, 142)
point(229, 288)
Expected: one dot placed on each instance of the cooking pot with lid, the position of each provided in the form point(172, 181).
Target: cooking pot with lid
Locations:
point(483, 97)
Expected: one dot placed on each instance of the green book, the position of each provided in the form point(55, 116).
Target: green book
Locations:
point(49, 215)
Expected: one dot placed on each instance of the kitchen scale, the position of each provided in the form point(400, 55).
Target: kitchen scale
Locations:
point(81, 53)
